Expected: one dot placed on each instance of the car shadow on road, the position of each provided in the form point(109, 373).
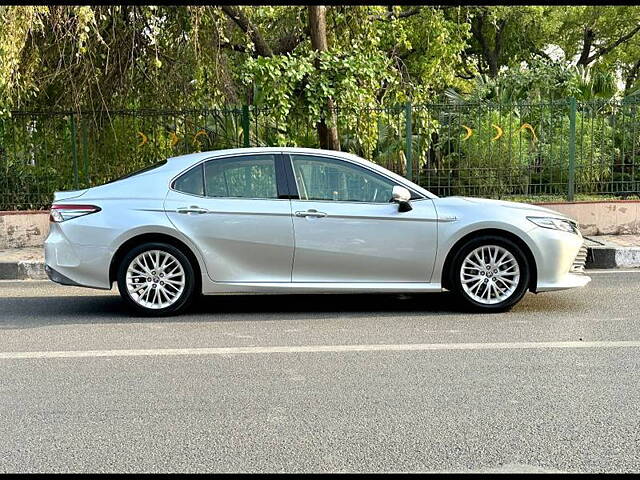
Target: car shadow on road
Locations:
point(32, 312)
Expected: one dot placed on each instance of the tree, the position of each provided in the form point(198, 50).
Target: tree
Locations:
point(506, 36)
point(328, 134)
point(591, 33)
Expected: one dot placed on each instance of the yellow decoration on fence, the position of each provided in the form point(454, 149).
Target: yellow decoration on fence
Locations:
point(499, 132)
point(174, 139)
point(527, 125)
point(469, 132)
point(200, 132)
point(144, 139)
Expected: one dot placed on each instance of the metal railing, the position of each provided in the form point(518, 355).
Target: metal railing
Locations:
point(560, 148)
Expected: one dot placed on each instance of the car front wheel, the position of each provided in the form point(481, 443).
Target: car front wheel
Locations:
point(156, 279)
point(490, 274)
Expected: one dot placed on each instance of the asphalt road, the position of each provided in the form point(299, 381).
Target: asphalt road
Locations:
point(321, 383)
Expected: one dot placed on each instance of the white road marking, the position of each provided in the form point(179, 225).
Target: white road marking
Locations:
point(610, 270)
point(160, 352)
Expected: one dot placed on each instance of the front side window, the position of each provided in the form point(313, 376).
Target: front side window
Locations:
point(247, 176)
point(322, 178)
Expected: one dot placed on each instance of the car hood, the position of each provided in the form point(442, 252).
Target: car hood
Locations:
point(487, 203)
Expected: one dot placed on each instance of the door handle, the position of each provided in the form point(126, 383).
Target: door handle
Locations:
point(192, 209)
point(311, 213)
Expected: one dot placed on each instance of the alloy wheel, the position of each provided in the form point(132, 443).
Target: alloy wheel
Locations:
point(490, 274)
point(155, 279)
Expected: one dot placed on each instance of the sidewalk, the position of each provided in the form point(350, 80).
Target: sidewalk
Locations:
point(605, 251)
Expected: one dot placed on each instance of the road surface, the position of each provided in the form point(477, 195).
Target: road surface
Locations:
point(321, 383)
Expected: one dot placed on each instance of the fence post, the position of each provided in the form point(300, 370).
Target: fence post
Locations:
point(245, 125)
point(409, 137)
point(74, 152)
point(85, 154)
point(571, 183)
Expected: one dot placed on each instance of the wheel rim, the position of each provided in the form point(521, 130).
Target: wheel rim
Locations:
point(155, 279)
point(490, 274)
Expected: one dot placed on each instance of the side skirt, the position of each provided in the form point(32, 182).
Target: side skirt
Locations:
point(215, 288)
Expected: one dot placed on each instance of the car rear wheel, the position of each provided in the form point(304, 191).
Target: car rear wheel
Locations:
point(156, 279)
point(490, 274)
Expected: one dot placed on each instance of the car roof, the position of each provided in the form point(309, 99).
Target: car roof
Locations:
point(182, 162)
point(194, 157)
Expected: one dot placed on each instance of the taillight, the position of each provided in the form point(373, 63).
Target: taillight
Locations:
point(60, 213)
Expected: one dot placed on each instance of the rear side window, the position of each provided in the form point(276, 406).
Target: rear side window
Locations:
point(246, 176)
point(190, 182)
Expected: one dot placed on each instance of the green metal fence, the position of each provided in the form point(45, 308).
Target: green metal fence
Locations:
point(527, 149)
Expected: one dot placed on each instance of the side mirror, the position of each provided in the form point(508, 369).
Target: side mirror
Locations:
point(401, 196)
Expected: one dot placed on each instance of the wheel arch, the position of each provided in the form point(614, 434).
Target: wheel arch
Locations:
point(451, 254)
point(154, 237)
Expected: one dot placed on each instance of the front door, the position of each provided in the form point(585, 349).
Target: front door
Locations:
point(232, 209)
point(346, 229)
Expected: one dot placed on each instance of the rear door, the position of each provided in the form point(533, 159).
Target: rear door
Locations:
point(236, 210)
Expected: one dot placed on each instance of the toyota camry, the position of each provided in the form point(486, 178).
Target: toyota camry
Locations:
point(295, 220)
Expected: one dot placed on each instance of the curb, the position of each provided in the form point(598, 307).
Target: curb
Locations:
point(612, 257)
point(598, 257)
point(22, 270)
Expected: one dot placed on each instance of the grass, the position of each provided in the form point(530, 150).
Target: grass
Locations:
point(563, 198)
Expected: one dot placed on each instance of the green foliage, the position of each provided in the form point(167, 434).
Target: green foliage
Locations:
point(202, 64)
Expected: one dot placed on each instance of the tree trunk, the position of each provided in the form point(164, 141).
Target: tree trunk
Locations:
point(489, 55)
point(327, 133)
point(587, 41)
point(492, 63)
point(631, 76)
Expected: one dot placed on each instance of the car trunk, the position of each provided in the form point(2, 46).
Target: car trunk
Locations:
point(66, 195)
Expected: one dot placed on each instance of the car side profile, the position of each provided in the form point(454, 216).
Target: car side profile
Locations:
point(296, 220)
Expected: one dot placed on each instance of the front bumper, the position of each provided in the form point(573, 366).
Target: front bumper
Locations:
point(570, 280)
point(559, 259)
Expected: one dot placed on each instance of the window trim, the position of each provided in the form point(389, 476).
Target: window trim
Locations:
point(282, 187)
point(291, 176)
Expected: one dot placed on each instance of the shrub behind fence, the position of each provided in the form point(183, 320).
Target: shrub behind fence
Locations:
point(491, 150)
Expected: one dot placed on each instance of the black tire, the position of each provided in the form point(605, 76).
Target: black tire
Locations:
point(486, 240)
point(185, 298)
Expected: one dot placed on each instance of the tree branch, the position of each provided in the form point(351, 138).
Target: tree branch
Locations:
point(390, 14)
point(604, 50)
point(241, 20)
point(233, 46)
point(288, 43)
point(542, 54)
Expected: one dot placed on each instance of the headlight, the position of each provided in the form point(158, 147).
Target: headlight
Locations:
point(554, 223)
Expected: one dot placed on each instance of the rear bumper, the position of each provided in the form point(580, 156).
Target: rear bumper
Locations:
point(74, 264)
point(57, 277)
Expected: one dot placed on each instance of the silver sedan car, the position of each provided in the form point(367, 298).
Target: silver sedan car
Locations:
point(295, 220)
